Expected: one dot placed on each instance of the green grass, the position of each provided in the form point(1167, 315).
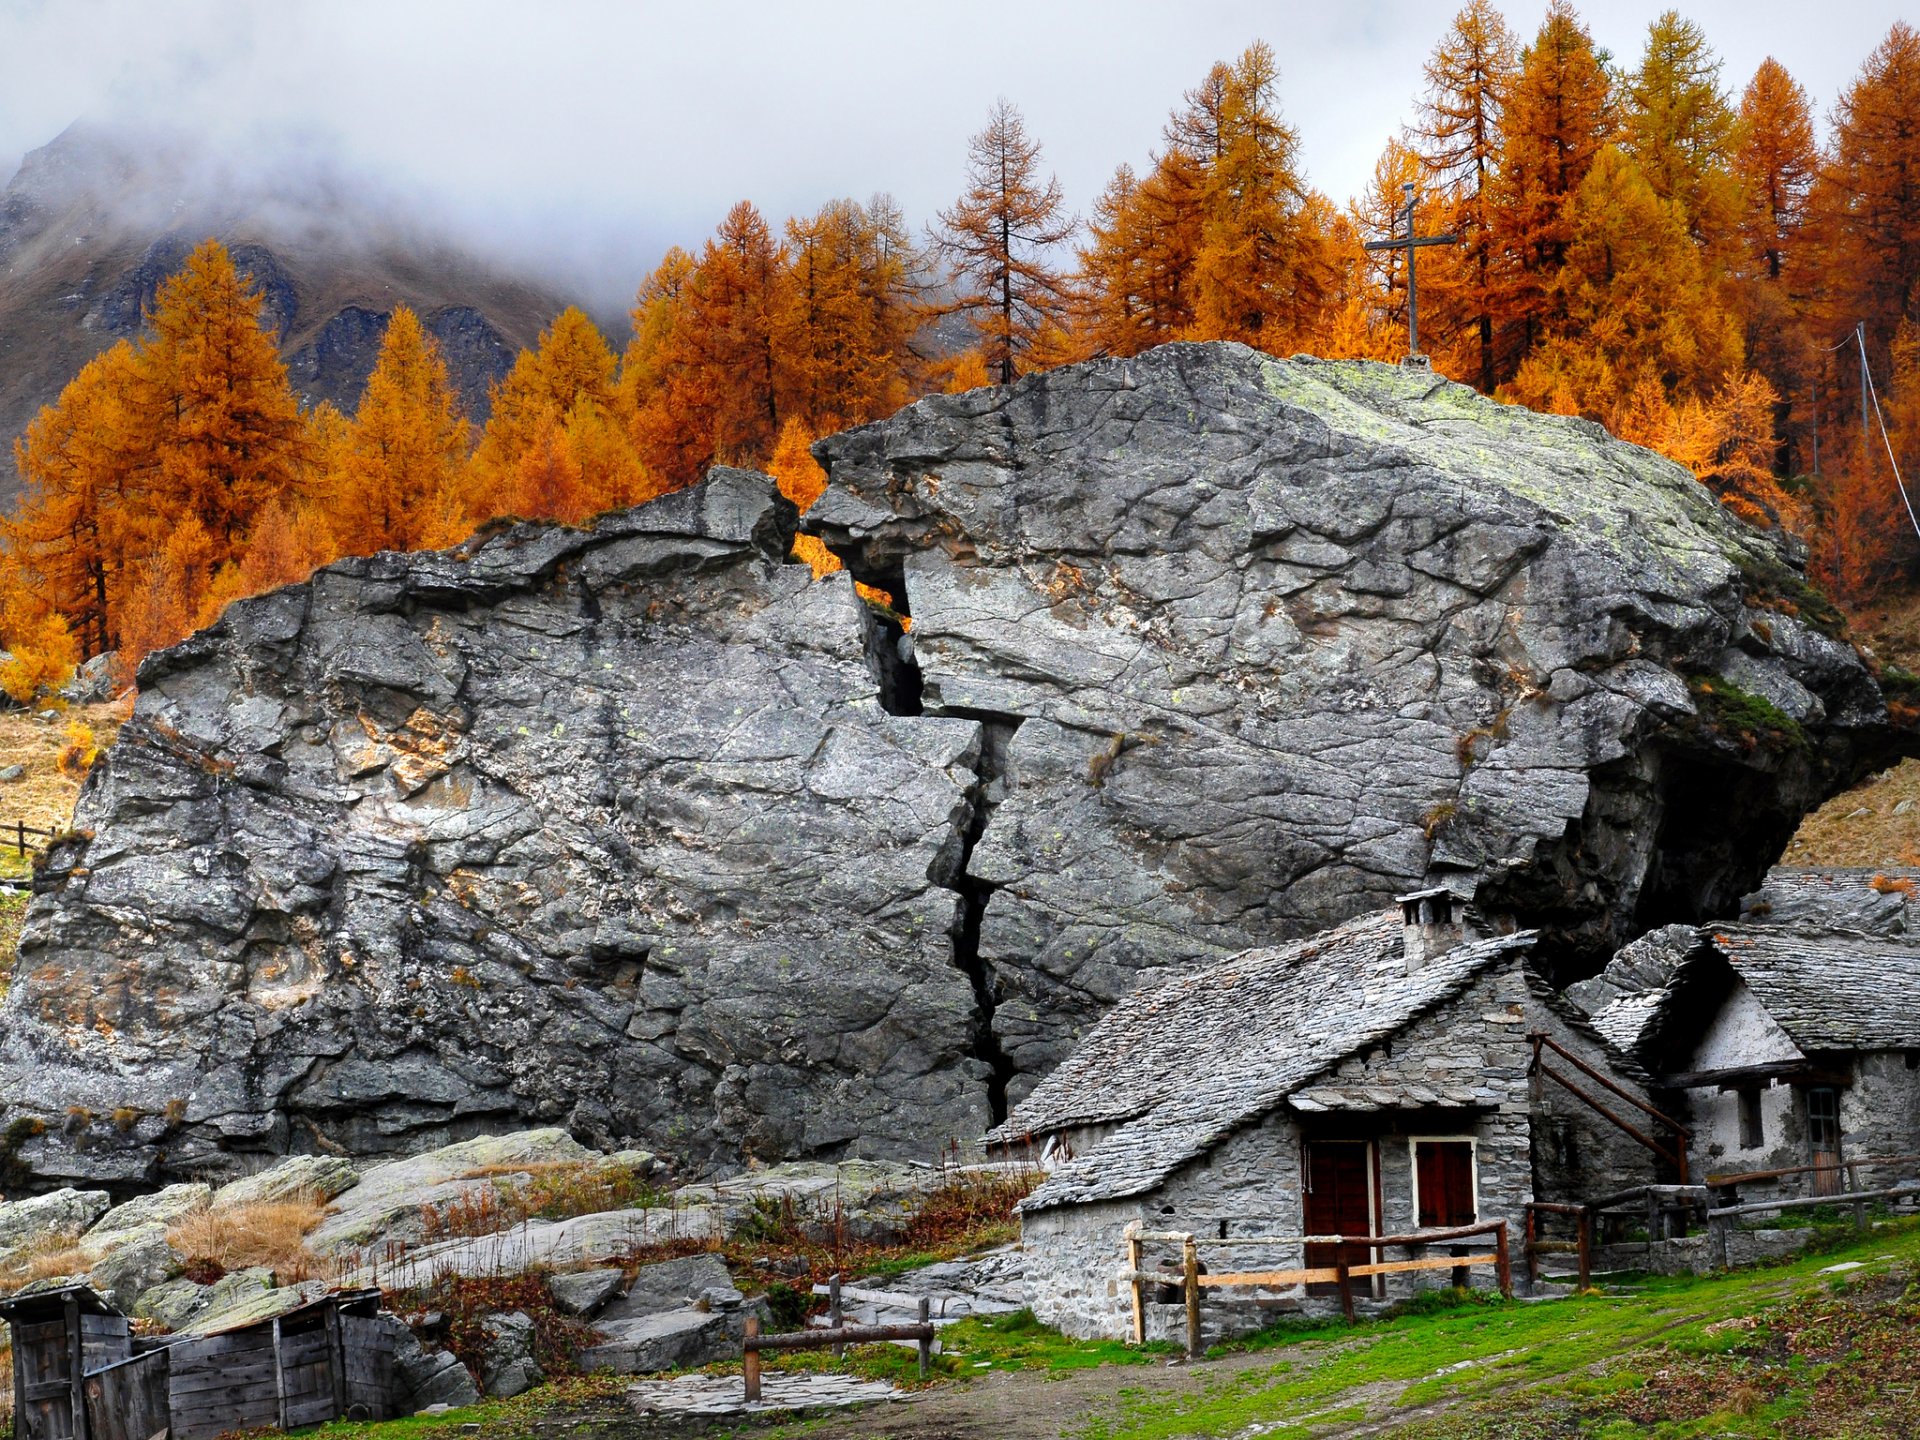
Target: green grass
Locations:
point(1475, 1353)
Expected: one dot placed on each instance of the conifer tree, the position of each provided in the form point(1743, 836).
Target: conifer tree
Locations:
point(1457, 136)
point(1559, 114)
point(227, 431)
point(1680, 130)
point(1635, 302)
point(1776, 161)
point(1263, 272)
point(843, 339)
point(405, 447)
point(998, 241)
point(1865, 208)
point(83, 518)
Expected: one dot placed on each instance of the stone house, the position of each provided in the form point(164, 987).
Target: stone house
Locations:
point(1374, 1079)
point(1780, 1045)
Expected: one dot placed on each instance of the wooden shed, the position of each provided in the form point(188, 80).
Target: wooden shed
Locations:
point(80, 1375)
point(59, 1337)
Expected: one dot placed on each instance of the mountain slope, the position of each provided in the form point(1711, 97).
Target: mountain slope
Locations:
point(92, 224)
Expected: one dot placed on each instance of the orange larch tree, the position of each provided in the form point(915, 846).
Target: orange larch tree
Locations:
point(227, 430)
point(1559, 113)
point(404, 449)
point(998, 242)
point(1457, 137)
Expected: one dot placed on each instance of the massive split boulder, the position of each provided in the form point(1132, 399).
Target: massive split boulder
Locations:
point(1261, 643)
point(641, 832)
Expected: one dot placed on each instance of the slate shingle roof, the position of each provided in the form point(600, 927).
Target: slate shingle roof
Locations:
point(1177, 1066)
point(1827, 989)
point(1830, 991)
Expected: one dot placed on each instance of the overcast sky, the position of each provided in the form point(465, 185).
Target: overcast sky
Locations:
point(596, 134)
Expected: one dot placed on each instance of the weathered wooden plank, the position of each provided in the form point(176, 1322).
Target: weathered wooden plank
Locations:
point(239, 1340)
point(310, 1410)
point(259, 1375)
point(105, 1325)
point(219, 1364)
point(129, 1401)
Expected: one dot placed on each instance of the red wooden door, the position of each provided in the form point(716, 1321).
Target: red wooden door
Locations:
point(1338, 1199)
point(1823, 1136)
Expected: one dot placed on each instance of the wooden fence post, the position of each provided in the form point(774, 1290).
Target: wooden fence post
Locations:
point(750, 1360)
point(834, 1314)
point(1190, 1263)
point(926, 1343)
point(1717, 1227)
point(1586, 1246)
point(1533, 1257)
point(1343, 1277)
point(1503, 1263)
point(1139, 1288)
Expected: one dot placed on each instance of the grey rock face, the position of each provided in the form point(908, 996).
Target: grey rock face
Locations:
point(163, 1207)
point(668, 1341)
point(317, 1177)
point(1261, 643)
point(423, 1377)
point(640, 834)
point(669, 1285)
point(604, 830)
point(39, 1217)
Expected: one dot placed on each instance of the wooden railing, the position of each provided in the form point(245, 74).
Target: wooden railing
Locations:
point(1721, 1220)
point(1675, 1156)
point(837, 1336)
point(1658, 1202)
point(14, 836)
point(1341, 1273)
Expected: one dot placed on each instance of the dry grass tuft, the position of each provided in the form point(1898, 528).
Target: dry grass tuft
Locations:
point(43, 797)
point(43, 1259)
point(273, 1235)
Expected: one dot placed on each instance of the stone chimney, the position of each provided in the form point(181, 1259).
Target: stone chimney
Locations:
point(1435, 922)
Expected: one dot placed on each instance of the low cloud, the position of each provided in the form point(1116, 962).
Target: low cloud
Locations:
point(585, 138)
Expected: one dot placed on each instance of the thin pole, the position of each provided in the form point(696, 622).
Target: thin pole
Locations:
point(1413, 292)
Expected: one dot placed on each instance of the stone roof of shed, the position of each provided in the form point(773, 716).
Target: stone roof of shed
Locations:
point(1829, 990)
point(1177, 1066)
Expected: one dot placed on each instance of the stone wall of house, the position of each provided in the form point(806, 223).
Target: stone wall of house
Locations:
point(1578, 1154)
point(1714, 1116)
point(1075, 1256)
point(1880, 1114)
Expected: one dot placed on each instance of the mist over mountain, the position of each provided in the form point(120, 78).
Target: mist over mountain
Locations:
point(94, 222)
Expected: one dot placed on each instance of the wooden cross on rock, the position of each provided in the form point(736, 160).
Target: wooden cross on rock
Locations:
point(1409, 243)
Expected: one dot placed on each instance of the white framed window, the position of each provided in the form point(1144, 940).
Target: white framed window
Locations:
point(1446, 1180)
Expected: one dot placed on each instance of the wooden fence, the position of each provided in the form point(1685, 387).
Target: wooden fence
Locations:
point(1341, 1273)
point(1663, 1207)
point(836, 1335)
point(15, 836)
point(1721, 1220)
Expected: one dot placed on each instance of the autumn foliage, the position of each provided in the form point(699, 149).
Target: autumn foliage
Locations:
point(1635, 242)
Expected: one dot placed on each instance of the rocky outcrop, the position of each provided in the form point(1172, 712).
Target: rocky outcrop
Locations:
point(640, 833)
point(1259, 644)
point(603, 829)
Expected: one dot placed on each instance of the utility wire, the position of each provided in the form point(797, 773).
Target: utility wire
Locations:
point(1885, 439)
point(1873, 393)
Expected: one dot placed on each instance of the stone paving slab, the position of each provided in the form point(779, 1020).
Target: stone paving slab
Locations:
point(726, 1394)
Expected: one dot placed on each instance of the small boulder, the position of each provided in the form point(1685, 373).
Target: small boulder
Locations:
point(671, 1341)
point(10, 773)
point(163, 1207)
point(320, 1176)
point(172, 1304)
point(426, 1380)
point(508, 1366)
point(585, 1291)
point(59, 1212)
point(139, 1261)
point(670, 1285)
